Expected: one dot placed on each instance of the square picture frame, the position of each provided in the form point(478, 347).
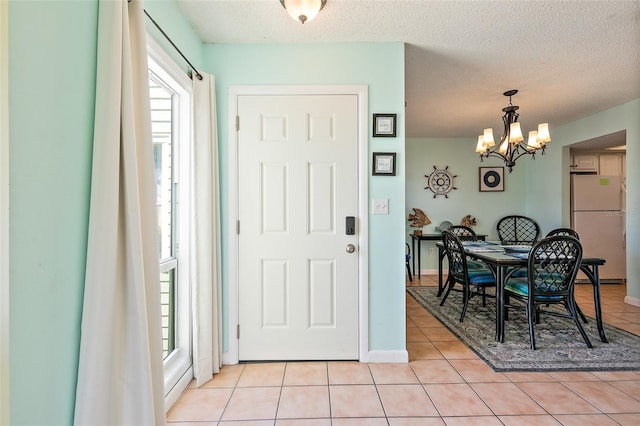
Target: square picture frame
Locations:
point(384, 125)
point(384, 164)
point(491, 179)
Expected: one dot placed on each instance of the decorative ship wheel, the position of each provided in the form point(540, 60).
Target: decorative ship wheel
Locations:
point(440, 181)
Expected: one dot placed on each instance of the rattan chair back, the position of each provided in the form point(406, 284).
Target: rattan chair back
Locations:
point(516, 229)
point(464, 233)
point(552, 266)
point(563, 231)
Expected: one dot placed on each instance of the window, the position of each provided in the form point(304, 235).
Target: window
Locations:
point(161, 127)
point(170, 95)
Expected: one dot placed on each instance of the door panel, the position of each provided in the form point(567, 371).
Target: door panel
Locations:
point(298, 287)
point(275, 293)
point(274, 197)
point(321, 198)
point(322, 286)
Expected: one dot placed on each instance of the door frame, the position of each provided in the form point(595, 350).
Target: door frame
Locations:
point(232, 263)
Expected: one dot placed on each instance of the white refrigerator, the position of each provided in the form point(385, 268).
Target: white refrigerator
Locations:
point(597, 204)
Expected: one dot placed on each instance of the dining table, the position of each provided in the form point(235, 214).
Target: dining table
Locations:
point(493, 254)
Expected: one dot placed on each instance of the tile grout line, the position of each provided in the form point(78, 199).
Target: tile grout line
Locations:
point(425, 390)
point(284, 375)
point(375, 384)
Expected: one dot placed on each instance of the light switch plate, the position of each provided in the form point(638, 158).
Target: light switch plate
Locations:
point(381, 206)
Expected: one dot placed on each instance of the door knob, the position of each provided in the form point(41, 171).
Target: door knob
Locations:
point(351, 248)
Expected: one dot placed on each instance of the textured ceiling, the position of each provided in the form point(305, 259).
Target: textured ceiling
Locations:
point(569, 59)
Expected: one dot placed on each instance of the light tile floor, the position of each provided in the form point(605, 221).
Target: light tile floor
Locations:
point(444, 383)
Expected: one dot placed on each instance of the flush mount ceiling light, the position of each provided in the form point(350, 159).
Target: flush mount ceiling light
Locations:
point(303, 10)
point(512, 146)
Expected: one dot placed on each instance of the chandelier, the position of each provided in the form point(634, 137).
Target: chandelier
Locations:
point(512, 145)
point(303, 10)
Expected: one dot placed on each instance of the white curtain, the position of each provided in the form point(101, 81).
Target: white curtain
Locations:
point(205, 236)
point(120, 372)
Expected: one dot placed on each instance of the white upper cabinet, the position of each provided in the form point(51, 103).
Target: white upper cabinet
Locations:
point(612, 164)
point(587, 162)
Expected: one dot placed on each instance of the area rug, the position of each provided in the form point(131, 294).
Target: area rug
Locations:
point(559, 346)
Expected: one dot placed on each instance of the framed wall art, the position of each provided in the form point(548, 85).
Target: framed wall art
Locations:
point(491, 179)
point(384, 164)
point(384, 125)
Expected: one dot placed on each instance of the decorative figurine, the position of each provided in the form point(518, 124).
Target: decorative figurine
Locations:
point(419, 219)
point(469, 221)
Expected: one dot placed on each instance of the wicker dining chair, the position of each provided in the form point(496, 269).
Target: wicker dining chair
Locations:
point(551, 271)
point(464, 233)
point(473, 281)
point(516, 229)
point(571, 233)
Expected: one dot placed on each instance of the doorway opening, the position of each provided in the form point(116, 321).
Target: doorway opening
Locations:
point(598, 201)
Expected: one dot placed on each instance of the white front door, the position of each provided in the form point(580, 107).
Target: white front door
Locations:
point(297, 184)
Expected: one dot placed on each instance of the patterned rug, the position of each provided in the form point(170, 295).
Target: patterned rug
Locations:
point(559, 346)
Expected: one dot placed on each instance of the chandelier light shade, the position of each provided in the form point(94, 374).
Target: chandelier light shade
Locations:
point(303, 10)
point(512, 144)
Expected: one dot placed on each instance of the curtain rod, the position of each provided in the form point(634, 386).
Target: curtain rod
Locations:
point(173, 44)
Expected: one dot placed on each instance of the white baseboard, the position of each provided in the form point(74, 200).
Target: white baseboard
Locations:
point(397, 357)
point(229, 359)
point(172, 396)
point(634, 301)
point(425, 272)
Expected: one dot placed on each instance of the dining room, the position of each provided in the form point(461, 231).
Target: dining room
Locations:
point(538, 186)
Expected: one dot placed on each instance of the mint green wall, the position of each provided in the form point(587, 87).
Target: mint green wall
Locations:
point(336, 64)
point(168, 16)
point(52, 66)
point(486, 207)
point(548, 200)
